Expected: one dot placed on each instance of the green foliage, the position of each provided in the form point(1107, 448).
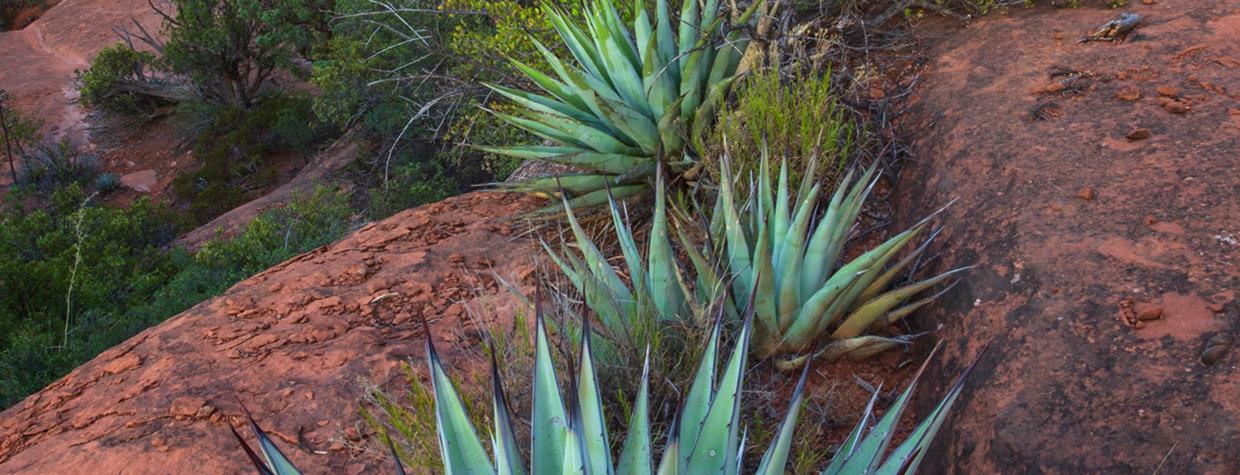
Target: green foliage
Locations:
point(798, 118)
point(52, 165)
point(115, 67)
point(305, 223)
point(16, 132)
point(234, 146)
point(62, 267)
point(230, 48)
point(125, 282)
point(410, 183)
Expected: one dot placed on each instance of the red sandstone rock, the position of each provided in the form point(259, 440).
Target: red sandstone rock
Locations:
point(1066, 387)
point(287, 342)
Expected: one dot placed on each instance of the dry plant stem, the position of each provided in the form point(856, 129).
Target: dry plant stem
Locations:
point(77, 261)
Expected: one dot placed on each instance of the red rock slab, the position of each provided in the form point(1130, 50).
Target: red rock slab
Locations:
point(1067, 387)
point(299, 344)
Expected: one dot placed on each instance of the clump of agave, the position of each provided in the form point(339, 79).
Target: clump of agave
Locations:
point(570, 436)
point(628, 97)
point(772, 248)
point(658, 286)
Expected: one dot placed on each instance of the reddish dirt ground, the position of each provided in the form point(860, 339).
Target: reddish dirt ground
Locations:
point(299, 344)
point(1119, 202)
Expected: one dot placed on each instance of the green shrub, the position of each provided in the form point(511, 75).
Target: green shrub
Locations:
point(52, 165)
point(798, 119)
point(104, 83)
point(68, 261)
point(125, 282)
point(410, 183)
point(16, 132)
point(233, 145)
point(229, 49)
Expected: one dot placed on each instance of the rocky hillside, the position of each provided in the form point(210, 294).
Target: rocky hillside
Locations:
point(298, 344)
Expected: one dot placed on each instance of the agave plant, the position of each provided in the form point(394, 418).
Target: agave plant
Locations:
point(803, 292)
point(628, 98)
point(658, 286)
point(569, 431)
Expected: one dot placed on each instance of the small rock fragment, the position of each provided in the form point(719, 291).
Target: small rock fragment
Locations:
point(1148, 311)
point(1167, 91)
point(1216, 348)
point(1138, 134)
point(1086, 193)
point(1173, 106)
point(1130, 93)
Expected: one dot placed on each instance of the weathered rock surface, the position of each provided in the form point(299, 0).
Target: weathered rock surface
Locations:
point(38, 61)
point(299, 344)
point(1074, 382)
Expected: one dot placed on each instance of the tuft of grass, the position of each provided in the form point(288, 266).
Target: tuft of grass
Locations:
point(794, 117)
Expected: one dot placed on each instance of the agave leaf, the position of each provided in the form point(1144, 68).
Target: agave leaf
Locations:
point(689, 17)
point(601, 162)
point(765, 301)
point(628, 246)
point(869, 452)
point(635, 458)
point(579, 184)
point(671, 127)
point(664, 278)
point(715, 449)
point(883, 280)
point(917, 443)
point(545, 104)
point(595, 258)
point(780, 220)
point(870, 312)
point(633, 123)
point(854, 438)
point(591, 199)
point(593, 424)
point(789, 261)
point(503, 439)
point(575, 39)
point(817, 264)
point(698, 402)
point(702, 115)
point(776, 456)
point(665, 40)
point(560, 89)
point(739, 260)
point(643, 31)
point(258, 463)
point(669, 463)
point(898, 314)
point(548, 423)
point(459, 446)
